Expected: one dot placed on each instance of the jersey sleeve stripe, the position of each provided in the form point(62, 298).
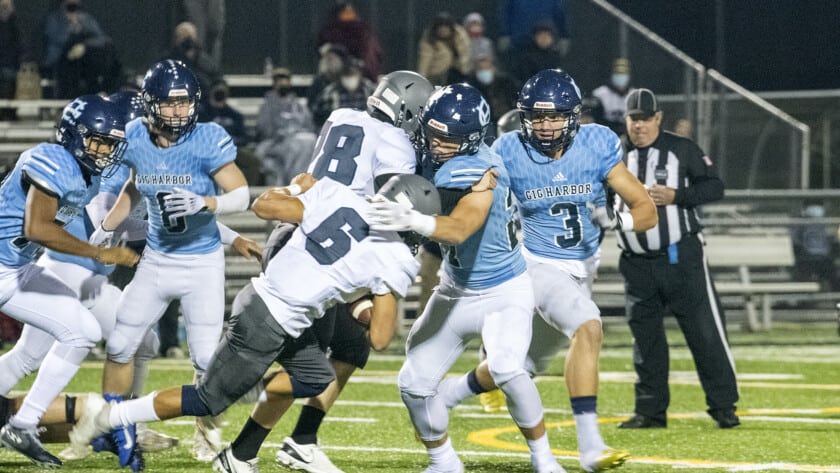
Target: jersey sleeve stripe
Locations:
point(466, 170)
point(45, 163)
point(224, 141)
point(471, 178)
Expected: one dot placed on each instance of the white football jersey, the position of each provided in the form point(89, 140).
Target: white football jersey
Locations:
point(333, 257)
point(353, 148)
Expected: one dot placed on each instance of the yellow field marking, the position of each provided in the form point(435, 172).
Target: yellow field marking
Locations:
point(489, 438)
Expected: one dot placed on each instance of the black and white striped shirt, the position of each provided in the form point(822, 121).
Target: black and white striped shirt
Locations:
point(676, 162)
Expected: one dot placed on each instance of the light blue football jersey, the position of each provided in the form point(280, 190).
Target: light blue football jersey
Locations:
point(53, 170)
point(552, 194)
point(81, 228)
point(492, 254)
point(113, 184)
point(189, 165)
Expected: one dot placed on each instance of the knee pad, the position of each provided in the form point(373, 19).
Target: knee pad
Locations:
point(303, 390)
point(120, 348)
point(149, 347)
point(504, 367)
point(428, 414)
point(104, 308)
point(523, 400)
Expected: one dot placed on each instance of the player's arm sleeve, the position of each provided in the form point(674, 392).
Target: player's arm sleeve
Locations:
point(44, 172)
point(613, 153)
point(223, 149)
point(704, 184)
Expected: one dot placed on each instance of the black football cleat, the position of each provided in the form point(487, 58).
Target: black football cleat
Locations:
point(725, 418)
point(26, 443)
point(640, 421)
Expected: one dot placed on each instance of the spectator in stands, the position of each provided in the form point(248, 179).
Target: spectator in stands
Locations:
point(666, 267)
point(187, 49)
point(444, 51)
point(498, 89)
point(813, 250)
point(518, 18)
point(480, 45)
point(344, 27)
point(350, 91)
point(78, 54)
point(331, 58)
point(208, 16)
point(12, 55)
point(285, 131)
point(613, 94)
point(682, 127)
point(220, 111)
point(540, 54)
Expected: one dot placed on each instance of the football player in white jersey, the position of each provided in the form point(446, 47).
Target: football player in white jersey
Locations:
point(177, 166)
point(47, 189)
point(558, 170)
point(361, 149)
point(337, 258)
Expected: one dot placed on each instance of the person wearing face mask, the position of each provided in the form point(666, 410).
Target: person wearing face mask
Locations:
point(480, 45)
point(187, 49)
point(284, 130)
point(77, 53)
point(498, 89)
point(612, 96)
point(220, 112)
point(350, 91)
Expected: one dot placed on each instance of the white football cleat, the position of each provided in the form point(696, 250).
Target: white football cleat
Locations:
point(152, 440)
point(86, 428)
point(305, 457)
point(225, 462)
point(207, 440)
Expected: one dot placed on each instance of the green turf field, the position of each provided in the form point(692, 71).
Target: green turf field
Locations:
point(790, 413)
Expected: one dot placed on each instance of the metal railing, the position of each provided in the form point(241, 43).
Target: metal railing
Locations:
point(755, 144)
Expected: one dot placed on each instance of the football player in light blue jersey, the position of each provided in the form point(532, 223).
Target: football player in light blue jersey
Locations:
point(558, 171)
point(178, 166)
point(485, 290)
point(48, 188)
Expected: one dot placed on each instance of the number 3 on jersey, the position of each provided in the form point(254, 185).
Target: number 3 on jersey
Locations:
point(336, 152)
point(170, 223)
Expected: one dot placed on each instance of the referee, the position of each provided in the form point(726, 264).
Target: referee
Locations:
point(666, 268)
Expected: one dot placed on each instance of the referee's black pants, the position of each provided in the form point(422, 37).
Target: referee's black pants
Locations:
point(683, 284)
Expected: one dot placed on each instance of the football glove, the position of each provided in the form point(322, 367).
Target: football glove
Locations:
point(386, 215)
point(182, 202)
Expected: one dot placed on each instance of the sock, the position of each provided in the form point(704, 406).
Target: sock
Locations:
point(12, 370)
point(309, 421)
point(138, 380)
point(249, 441)
point(444, 454)
point(58, 368)
point(133, 411)
point(541, 456)
point(5, 410)
point(585, 412)
point(70, 409)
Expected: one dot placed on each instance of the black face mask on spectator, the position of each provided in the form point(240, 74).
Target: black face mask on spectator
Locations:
point(219, 95)
point(72, 7)
point(284, 90)
point(187, 44)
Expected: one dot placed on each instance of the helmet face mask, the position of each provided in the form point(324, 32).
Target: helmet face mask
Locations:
point(454, 122)
point(549, 105)
point(171, 94)
point(92, 129)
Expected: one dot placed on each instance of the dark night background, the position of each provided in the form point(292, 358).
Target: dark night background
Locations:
point(767, 44)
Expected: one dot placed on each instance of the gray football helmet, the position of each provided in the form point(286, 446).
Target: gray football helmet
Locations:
point(419, 193)
point(401, 95)
point(508, 122)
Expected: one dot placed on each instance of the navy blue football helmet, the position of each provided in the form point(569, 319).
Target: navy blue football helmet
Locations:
point(550, 94)
point(92, 129)
point(170, 82)
point(455, 114)
point(131, 103)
